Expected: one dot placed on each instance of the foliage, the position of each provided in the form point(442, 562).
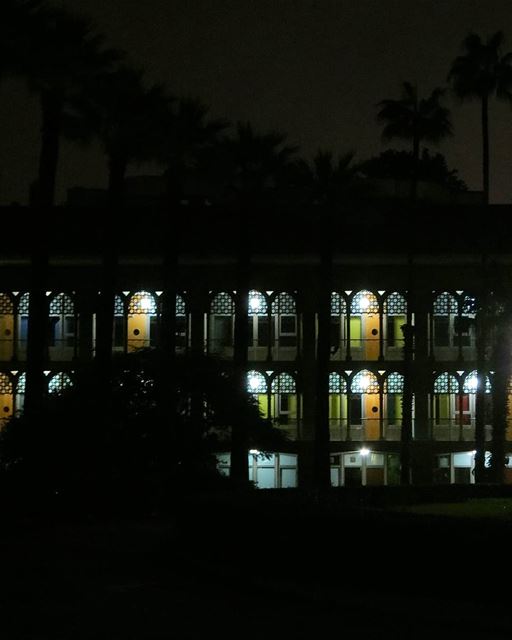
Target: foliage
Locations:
point(413, 118)
point(138, 449)
point(482, 70)
point(398, 166)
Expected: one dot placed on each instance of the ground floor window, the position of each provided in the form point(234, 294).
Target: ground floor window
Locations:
point(266, 470)
point(364, 468)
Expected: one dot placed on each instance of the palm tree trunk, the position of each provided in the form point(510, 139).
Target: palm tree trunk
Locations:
point(415, 167)
point(480, 413)
point(485, 147)
point(408, 393)
point(37, 339)
point(239, 446)
point(502, 357)
point(51, 107)
point(322, 433)
point(117, 166)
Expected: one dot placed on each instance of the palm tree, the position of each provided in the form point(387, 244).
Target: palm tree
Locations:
point(129, 123)
point(481, 73)
point(64, 58)
point(60, 57)
point(416, 120)
point(186, 134)
point(328, 180)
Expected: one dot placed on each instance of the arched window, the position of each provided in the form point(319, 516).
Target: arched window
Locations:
point(364, 406)
point(395, 311)
point(221, 324)
point(119, 323)
point(337, 406)
point(181, 323)
point(284, 409)
point(142, 320)
point(393, 399)
point(58, 383)
point(6, 398)
point(284, 314)
point(451, 408)
point(62, 327)
point(257, 386)
point(19, 399)
point(364, 326)
point(6, 326)
point(338, 325)
point(452, 326)
point(260, 323)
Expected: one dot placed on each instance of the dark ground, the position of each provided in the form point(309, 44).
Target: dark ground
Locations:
point(255, 568)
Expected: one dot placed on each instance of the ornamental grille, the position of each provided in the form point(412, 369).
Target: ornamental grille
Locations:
point(365, 382)
point(445, 304)
point(395, 304)
point(180, 306)
point(283, 383)
point(142, 303)
point(256, 382)
point(62, 304)
point(283, 304)
point(118, 306)
point(468, 306)
point(364, 302)
point(23, 304)
point(337, 384)
point(20, 384)
point(338, 304)
point(59, 382)
point(6, 305)
point(5, 384)
point(446, 383)
point(470, 384)
point(258, 305)
point(222, 304)
point(394, 383)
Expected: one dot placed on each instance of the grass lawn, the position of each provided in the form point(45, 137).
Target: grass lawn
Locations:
point(493, 508)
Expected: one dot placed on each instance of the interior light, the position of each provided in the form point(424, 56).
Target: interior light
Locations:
point(145, 304)
point(364, 452)
point(364, 303)
point(254, 452)
point(254, 304)
point(472, 383)
point(364, 382)
point(253, 382)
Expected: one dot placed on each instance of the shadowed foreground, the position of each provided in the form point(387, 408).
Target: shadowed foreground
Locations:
point(253, 569)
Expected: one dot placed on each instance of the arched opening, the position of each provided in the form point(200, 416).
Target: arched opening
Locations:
point(364, 326)
point(364, 407)
point(221, 325)
point(6, 327)
point(338, 326)
point(260, 326)
point(6, 398)
point(62, 323)
point(393, 399)
point(337, 406)
point(284, 324)
point(284, 405)
point(142, 321)
point(395, 317)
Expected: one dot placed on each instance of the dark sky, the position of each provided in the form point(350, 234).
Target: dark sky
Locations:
point(312, 68)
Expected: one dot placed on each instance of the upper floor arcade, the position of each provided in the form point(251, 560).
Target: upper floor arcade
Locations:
point(365, 325)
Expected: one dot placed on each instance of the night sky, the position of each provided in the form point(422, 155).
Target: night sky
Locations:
point(314, 69)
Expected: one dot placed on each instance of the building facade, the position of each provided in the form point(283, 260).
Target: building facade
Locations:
point(384, 276)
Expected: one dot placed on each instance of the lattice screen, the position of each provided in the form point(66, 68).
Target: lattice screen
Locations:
point(445, 304)
point(142, 303)
point(446, 383)
point(284, 303)
point(365, 382)
point(394, 383)
point(283, 383)
point(222, 304)
point(338, 304)
point(256, 382)
point(62, 304)
point(364, 302)
point(258, 304)
point(395, 304)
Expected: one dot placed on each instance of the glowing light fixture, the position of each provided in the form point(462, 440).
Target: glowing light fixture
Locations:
point(364, 452)
point(254, 452)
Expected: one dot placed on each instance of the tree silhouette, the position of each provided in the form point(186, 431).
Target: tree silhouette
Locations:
point(186, 134)
point(481, 73)
point(416, 120)
point(327, 179)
